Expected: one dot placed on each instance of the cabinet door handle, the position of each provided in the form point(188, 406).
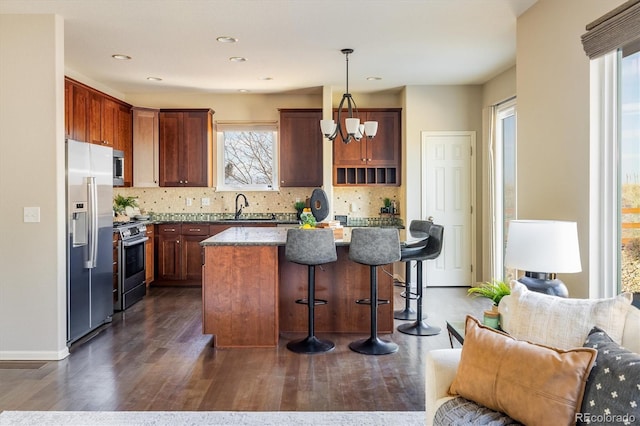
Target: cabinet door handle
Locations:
point(194, 229)
point(186, 181)
point(169, 230)
point(177, 241)
point(105, 142)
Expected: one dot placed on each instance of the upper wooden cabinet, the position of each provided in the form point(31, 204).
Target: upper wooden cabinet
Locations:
point(95, 117)
point(186, 143)
point(145, 147)
point(370, 161)
point(300, 147)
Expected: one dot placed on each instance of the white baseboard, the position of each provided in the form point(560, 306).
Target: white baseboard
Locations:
point(34, 355)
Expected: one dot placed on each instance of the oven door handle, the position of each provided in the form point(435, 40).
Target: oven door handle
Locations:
point(135, 242)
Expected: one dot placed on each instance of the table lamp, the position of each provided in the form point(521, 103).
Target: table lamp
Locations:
point(543, 248)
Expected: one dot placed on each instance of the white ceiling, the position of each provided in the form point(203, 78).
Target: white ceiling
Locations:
point(295, 42)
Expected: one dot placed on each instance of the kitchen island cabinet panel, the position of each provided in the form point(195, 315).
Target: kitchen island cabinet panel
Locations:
point(236, 263)
point(240, 296)
point(340, 283)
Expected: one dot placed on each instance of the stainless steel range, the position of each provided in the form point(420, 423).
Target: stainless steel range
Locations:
point(131, 264)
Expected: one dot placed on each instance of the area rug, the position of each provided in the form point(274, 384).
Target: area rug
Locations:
point(213, 418)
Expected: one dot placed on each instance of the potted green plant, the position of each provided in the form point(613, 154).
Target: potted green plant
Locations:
point(299, 206)
point(120, 203)
point(494, 290)
point(387, 206)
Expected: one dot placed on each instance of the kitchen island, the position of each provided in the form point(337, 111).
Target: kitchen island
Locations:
point(249, 290)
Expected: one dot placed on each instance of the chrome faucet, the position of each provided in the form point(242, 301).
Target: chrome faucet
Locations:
point(239, 210)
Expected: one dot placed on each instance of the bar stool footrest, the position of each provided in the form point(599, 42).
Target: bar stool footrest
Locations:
point(368, 302)
point(315, 302)
point(409, 314)
point(412, 295)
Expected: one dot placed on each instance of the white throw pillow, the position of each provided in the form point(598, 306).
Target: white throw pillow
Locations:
point(561, 322)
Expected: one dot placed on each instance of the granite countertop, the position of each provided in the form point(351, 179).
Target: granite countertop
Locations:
point(248, 236)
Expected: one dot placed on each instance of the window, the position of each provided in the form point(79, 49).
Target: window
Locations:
point(247, 157)
point(503, 166)
point(629, 176)
point(611, 42)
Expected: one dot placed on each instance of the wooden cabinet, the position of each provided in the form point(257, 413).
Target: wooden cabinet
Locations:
point(370, 161)
point(169, 252)
point(149, 254)
point(193, 252)
point(145, 147)
point(95, 117)
point(179, 251)
point(186, 143)
point(124, 141)
point(300, 147)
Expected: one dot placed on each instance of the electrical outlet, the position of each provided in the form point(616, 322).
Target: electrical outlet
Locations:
point(31, 214)
point(205, 201)
point(354, 208)
point(189, 201)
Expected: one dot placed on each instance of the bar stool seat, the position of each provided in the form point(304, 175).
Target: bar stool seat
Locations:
point(374, 247)
point(310, 247)
point(417, 229)
point(431, 251)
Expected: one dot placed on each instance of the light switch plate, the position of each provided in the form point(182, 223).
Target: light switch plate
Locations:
point(31, 214)
point(189, 201)
point(205, 201)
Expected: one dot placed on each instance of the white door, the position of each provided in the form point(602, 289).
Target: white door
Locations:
point(447, 194)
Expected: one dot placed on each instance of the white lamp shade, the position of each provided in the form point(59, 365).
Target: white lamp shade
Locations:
point(352, 125)
point(371, 128)
point(360, 133)
point(327, 127)
point(544, 246)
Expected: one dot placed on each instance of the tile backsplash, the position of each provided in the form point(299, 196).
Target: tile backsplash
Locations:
point(351, 201)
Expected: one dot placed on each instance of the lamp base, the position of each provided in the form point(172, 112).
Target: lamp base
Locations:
point(543, 282)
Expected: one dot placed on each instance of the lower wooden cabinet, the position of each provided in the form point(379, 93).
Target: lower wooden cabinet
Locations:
point(179, 255)
point(179, 251)
point(149, 256)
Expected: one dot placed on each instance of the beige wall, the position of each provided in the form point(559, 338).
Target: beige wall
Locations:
point(438, 108)
point(553, 118)
point(32, 255)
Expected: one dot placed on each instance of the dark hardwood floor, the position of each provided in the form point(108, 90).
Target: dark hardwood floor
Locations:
point(155, 357)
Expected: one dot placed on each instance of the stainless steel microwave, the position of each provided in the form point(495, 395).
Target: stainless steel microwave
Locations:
point(118, 168)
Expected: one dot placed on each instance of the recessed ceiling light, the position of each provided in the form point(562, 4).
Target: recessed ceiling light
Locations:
point(154, 79)
point(374, 78)
point(227, 39)
point(237, 59)
point(121, 57)
point(243, 90)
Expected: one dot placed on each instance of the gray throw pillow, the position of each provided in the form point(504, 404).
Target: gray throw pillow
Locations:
point(612, 393)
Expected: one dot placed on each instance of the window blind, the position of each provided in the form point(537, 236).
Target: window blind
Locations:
point(614, 30)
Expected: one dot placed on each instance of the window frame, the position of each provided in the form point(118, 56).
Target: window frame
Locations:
point(221, 128)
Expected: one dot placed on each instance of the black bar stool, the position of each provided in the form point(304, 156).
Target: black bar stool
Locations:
point(417, 229)
point(310, 247)
point(374, 247)
point(431, 251)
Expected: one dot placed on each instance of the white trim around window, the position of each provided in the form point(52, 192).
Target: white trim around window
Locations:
point(604, 249)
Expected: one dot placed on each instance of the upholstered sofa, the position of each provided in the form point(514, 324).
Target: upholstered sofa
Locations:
point(557, 328)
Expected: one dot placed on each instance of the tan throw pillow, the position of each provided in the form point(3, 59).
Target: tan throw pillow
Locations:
point(531, 383)
point(561, 322)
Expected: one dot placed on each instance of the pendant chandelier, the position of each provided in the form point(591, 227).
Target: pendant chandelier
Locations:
point(354, 130)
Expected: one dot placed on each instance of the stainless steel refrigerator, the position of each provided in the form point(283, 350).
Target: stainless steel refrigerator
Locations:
point(89, 238)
